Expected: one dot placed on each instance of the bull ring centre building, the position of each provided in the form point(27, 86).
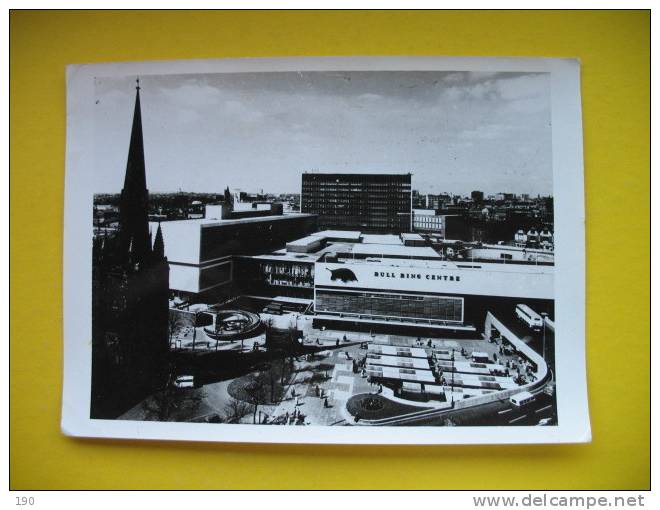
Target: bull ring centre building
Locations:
point(375, 283)
point(354, 280)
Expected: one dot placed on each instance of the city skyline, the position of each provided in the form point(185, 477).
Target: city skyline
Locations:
point(487, 196)
point(201, 131)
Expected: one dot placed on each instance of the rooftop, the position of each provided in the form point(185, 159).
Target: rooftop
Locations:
point(211, 222)
point(370, 175)
point(411, 237)
point(383, 250)
point(382, 239)
point(348, 235)
point(305, 241)
point(287, 256)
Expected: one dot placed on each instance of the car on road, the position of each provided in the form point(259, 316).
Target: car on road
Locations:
point(184, 381)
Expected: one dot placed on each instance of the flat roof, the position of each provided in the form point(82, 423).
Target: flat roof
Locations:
point(412, 237)
point(508, 247)
point(397, 351)
point(381, 239)
point(409, 374)
point(374, 358)
point(283, 255)
point(357, 174)
point(436, 262)
point(384, 250)
point(211, 222)
point(255, 219)
point(352, 235)
point(305, 241)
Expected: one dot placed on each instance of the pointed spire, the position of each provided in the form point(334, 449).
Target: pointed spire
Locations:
point(159, 244)
point(133, 209)
point(135, 173)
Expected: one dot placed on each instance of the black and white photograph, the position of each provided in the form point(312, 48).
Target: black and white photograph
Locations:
point(320, 250)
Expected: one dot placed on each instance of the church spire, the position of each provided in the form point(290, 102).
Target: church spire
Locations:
point(159, 245)
point(133, 208)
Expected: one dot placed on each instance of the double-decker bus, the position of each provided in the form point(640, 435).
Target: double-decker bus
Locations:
point(529, 317)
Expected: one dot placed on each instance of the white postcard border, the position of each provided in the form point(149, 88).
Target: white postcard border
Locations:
point(568, 191)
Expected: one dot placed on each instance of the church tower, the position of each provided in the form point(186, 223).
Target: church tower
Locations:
point(134, 202)
point(130, 297)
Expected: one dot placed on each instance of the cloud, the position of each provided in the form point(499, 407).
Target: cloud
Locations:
point(470, 125)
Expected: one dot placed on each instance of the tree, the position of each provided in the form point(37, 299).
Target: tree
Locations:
point(174, 323)
point(293, 334)
point(170, 403)
point(272, 380)
point(257, 392)
point(235, 410)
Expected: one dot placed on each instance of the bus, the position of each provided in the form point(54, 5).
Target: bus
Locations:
point(529, 317)
point(522, 398)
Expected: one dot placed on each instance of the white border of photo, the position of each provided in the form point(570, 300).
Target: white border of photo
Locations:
point(568, 183)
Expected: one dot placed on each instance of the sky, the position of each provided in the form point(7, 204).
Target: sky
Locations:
point(454, 131)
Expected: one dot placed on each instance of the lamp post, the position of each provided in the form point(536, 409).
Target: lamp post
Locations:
point(544, 315)
point(453, 370)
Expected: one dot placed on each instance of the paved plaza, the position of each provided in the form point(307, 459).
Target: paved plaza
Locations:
point(317, 386)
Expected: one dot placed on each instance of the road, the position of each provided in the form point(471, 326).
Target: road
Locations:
point(500, 413)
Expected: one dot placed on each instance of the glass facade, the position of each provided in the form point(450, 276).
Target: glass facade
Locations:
point(274, 277)
point(368, 202)
point(289, 274)
point(434, 308)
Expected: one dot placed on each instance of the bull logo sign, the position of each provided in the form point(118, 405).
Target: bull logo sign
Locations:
point(343, 274)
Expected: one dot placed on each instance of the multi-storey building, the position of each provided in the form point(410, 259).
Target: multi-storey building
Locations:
point(379, 203)
point(426, 220)
point(202, 253)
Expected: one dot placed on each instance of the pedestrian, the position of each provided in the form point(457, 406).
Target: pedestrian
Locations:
point(325, 402)
point(337, 342)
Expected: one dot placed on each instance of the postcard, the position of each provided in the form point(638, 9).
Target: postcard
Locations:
point(325, 250)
